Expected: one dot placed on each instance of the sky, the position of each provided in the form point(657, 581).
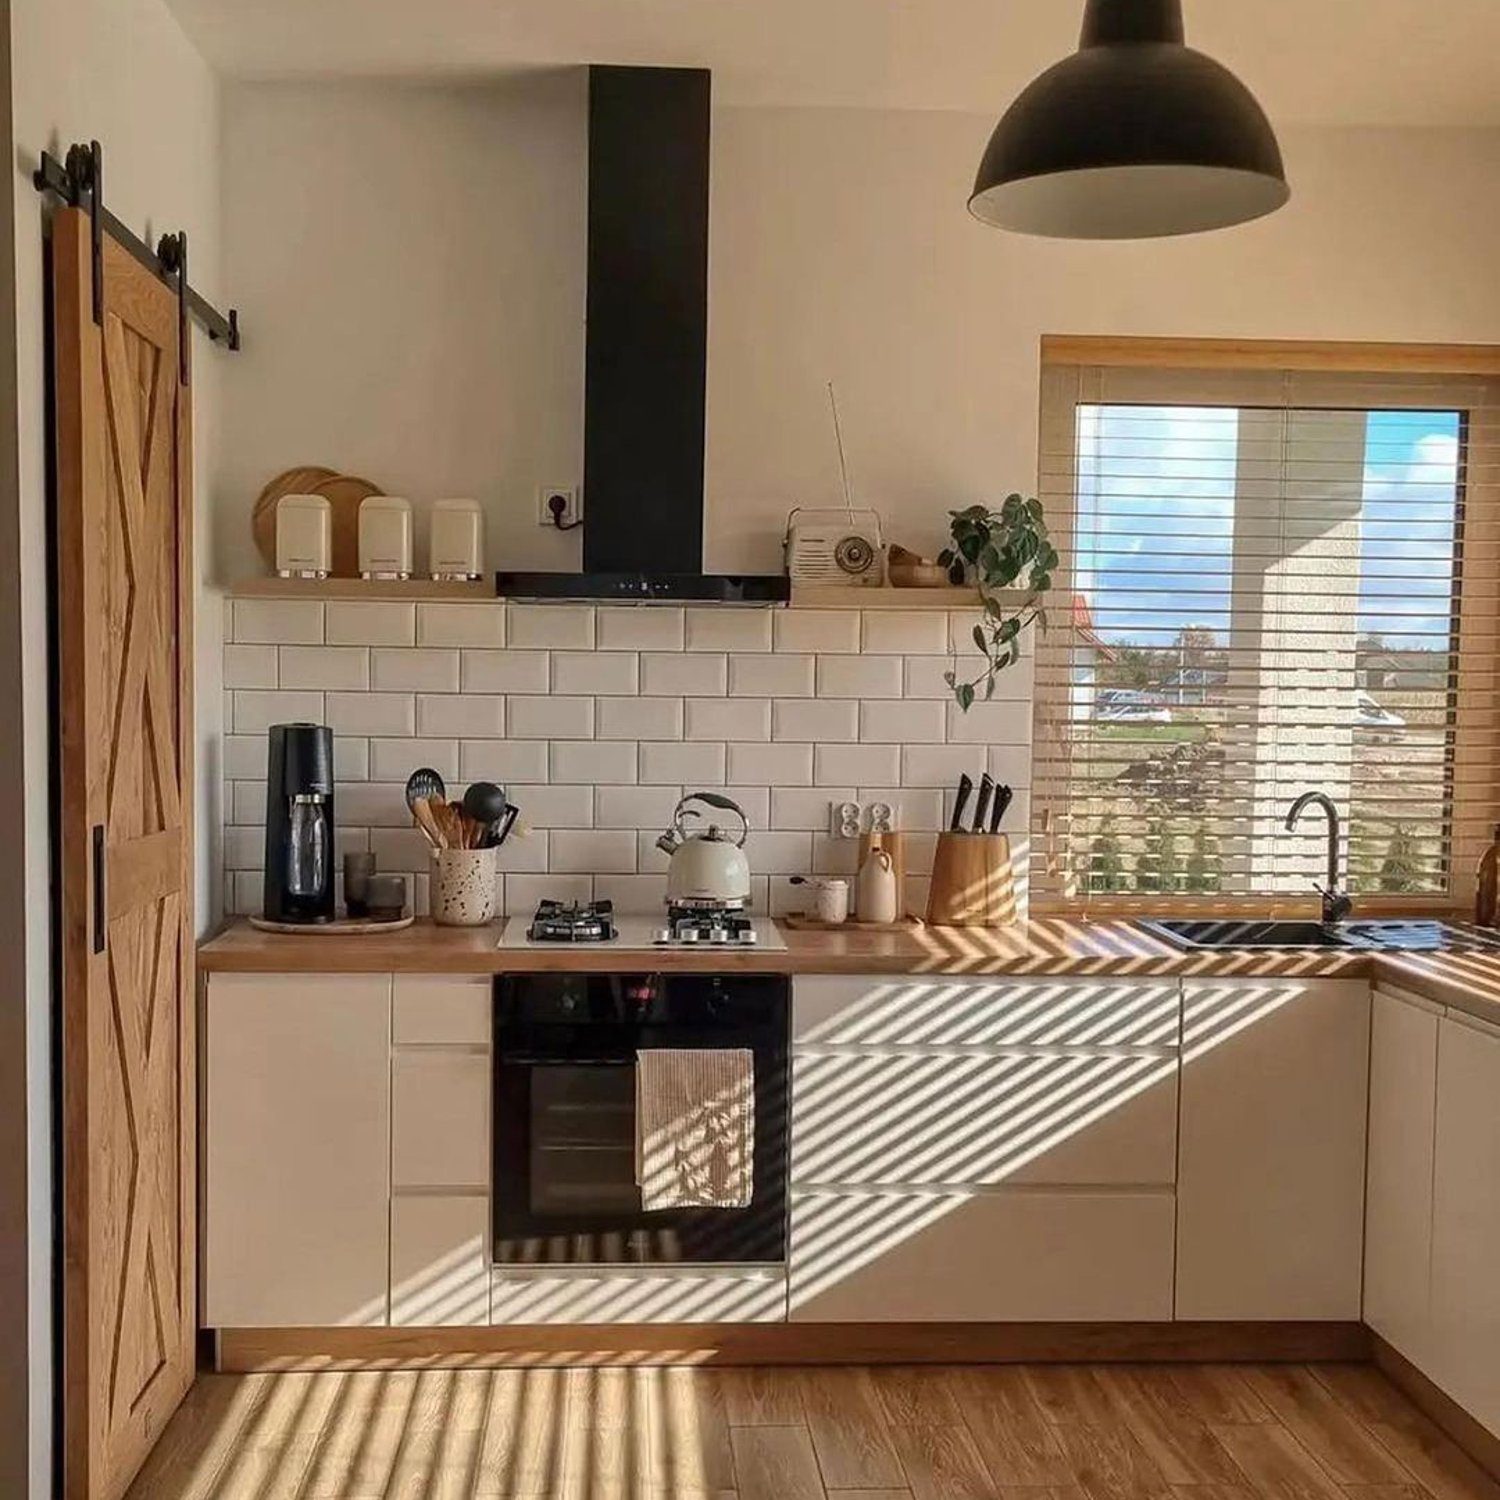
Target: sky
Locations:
point(1157, 501)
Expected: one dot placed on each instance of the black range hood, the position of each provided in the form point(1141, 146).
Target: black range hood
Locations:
point(646, 350)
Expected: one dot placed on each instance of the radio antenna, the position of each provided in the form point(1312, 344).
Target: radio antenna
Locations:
point(838, 435)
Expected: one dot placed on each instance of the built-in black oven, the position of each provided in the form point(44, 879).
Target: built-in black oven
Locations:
point(564, 1161)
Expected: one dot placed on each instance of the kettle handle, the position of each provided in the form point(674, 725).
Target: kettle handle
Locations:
point(723, 803)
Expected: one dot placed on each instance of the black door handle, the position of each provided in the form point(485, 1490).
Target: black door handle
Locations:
point(101, 904)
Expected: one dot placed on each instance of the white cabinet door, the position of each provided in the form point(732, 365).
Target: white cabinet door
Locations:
point(974, 1257)
point(1466, 1220)
point(1271, 1172)
point(1398, 1177)
point(297, 1158)
point(440, 1264)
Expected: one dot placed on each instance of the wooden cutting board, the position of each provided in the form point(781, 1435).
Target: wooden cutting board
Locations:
point(344, 493)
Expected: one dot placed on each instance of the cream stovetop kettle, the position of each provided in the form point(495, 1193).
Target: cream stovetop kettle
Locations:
point(708, 868)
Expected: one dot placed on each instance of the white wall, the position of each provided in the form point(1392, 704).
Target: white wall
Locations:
point(119, 71)
point(411, 263)
point(841, 250)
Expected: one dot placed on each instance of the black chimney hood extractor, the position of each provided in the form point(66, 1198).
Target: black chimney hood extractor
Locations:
point(646, 352)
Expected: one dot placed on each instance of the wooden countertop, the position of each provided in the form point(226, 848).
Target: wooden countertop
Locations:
point(1052, 947)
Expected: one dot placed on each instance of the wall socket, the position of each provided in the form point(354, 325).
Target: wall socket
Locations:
point(572, 504)
point(848, 820)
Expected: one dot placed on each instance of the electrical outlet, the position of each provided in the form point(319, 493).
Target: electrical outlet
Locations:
point(845, 819)
point(572, 505)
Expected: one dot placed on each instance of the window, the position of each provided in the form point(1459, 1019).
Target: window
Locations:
point(1279, 575)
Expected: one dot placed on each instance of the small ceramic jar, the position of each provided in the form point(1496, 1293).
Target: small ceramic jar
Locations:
point(463, 886)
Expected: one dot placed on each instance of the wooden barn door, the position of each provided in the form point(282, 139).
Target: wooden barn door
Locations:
point(124, 597)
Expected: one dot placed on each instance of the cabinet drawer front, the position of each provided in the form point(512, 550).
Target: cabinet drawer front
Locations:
point(441, 1008)
point(440, 1273)
point(440, 1120)
point(983, 1118)
point(1007, 1256)
point(751, 1296)
point(911, 1012)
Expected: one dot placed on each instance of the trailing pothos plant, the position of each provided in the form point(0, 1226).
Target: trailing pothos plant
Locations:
point(1000, 552)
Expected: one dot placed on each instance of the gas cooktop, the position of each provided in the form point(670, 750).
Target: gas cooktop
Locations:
point(595, 925)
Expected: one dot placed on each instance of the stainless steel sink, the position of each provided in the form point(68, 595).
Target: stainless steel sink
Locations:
point(1374, 936)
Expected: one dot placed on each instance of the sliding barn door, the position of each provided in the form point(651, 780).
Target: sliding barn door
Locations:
point(124, 599)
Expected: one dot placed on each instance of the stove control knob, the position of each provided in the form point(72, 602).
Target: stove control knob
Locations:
point(718, 934)
point(749, 935)
point(688, 935)
point(663, 934)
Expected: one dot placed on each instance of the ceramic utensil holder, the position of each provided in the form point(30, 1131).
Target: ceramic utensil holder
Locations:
point(463, 886)
point(972, 882)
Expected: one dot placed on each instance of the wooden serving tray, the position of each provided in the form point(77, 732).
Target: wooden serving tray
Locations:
point(800, 922)
point(340, 927)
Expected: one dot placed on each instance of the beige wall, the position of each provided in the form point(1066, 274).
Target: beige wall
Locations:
point(412, 258)
point(122, 72)
point(392, 336)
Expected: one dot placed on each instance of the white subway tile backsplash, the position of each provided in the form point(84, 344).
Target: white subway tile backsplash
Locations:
point(684, 675)
point(505, 761)
point(771, 765)
point(250, 667)
point(990, 724)
point(728, 719)
point(838, 764)
point(333, 667)
point(469, 624)
point(277, 622)
point(374, 804)
point(592, 761)
point(771, 676)
point(814, 720)
point(900, 631)
point(351, 757)
point(656, 627)
point(414, 669)
point(370, 623)
point(531, 718)
point(597, 745)
point(256, 710)
point(859, 676)
point(396, 759)
point(811, 810)
point(461, 715)
point(714, 628)
point(635, 806)
point(897, 721)
point(680, 763)
point(504, 672)
point(593, 851)
point(550, 806)
point(817, 630)
point(639, 719)
point(551, 627)
point(602, 673)
point(371, 713)
point(940, 765)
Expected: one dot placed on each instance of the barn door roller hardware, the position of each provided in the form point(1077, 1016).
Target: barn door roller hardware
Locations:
point(79, 181)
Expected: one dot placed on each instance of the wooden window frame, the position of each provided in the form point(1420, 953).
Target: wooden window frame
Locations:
point(1475, 807)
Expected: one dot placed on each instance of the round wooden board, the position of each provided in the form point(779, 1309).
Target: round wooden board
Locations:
point(343, 927)
point(298, 481)
point(344, 493)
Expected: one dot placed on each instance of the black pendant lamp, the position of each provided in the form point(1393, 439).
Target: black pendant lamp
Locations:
point(1134, 136)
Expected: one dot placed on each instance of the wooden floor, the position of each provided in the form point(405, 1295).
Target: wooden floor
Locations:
point(1065, 1432)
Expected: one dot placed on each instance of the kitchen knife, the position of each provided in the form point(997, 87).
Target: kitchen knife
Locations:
point(1003, 798)
point(960, 801)
point(982, 806)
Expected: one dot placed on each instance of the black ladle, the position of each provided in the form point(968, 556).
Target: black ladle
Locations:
point(485, 804)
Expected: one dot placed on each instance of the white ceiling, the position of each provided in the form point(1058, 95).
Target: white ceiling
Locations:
point(1399, 62)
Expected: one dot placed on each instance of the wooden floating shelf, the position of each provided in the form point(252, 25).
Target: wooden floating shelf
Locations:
point(839, 597)
point(412, 590)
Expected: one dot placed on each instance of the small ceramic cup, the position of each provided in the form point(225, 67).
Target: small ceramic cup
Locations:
point(463, 887)
point(831, 901)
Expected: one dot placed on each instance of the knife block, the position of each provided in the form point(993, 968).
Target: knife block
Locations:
point(972, 881)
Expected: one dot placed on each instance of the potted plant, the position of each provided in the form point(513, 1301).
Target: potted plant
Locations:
point(1008, 556)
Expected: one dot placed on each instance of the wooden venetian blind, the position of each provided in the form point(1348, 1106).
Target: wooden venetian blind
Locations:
point(1280, 570)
